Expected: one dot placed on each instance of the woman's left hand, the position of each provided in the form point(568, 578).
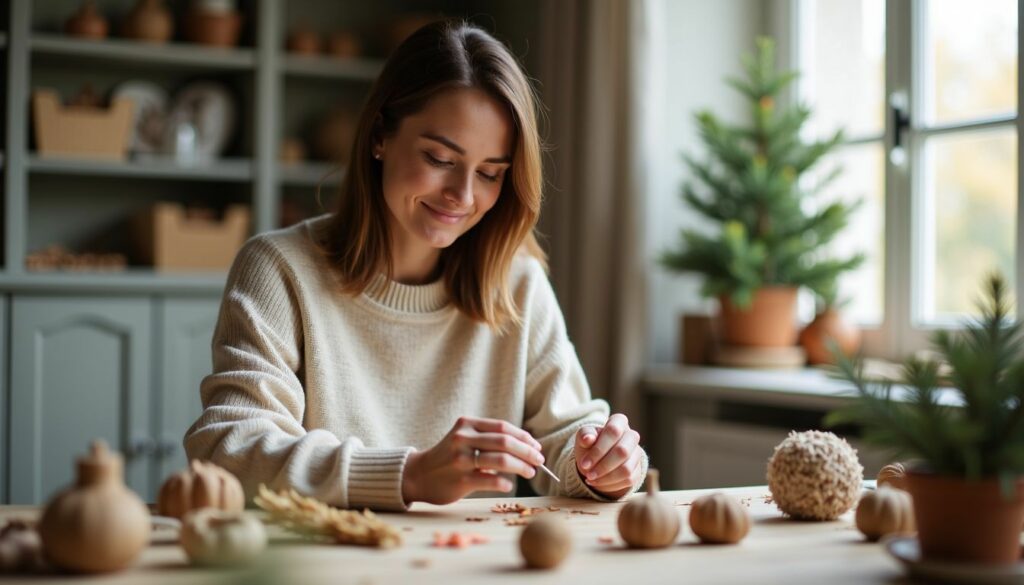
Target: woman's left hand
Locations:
point(609, 458)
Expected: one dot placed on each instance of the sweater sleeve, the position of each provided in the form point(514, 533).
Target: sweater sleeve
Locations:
point(254, 401)
point(558, 400)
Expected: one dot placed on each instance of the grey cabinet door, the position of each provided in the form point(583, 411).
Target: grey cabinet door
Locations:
point(4, 396)
point(185, 333)
point(80, 370)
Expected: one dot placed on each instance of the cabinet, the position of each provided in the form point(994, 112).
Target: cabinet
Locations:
point(79, 371)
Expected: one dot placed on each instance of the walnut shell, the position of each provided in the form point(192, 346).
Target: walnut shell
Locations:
point(649, 521)
point(719, 519)
point(893, 475)
point(202, 485)
point(545, 542)
point(885, 511)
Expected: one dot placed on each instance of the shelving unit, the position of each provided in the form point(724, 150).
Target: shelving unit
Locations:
point(127, 51)
point(227, 169)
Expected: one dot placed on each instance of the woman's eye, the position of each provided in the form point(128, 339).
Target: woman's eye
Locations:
point(488, 178)
point(436, 161)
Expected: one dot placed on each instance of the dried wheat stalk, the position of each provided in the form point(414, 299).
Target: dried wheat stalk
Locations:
point(313, 517)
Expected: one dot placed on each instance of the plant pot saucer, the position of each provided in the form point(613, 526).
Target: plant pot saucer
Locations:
point(907, 551)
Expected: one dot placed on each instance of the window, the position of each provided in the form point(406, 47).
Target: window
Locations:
point(926, 92)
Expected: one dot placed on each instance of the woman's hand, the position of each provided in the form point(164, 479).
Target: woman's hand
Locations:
point(453, 469)
point(609, 458)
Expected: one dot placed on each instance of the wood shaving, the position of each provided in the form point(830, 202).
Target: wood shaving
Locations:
point(315, 518)
point(553, 508)
point(476, 519)
point(606, 539)
point(407, 528)
point(684, 503)
point(506, 508)
point(768, 499)
point(459, 539)
point(420, 563)
point(518, 521)
point(585, 512)
point(532, 511)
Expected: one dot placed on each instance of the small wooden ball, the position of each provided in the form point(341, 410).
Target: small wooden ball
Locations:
point(885, 511)
point(719, 519)
point(545, 542)
point(893, 475)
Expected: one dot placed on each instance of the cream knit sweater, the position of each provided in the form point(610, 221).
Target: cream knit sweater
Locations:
point(328, 393)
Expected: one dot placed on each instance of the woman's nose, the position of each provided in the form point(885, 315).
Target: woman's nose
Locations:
point(459, 190)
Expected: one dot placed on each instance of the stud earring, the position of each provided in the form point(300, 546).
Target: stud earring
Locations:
point(376, 155)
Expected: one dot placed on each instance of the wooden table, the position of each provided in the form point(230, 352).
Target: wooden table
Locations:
point(777, 550)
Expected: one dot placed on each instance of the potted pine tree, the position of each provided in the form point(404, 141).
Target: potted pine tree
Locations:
point(767, 240)
point(967, 479)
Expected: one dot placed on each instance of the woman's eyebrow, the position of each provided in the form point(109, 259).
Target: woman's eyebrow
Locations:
point(462, 151)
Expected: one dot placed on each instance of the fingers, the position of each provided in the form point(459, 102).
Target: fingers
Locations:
point(625, 476)
point(608, 437)
point(506, 444)
point(617, 456)
point(587, 436)
point(486, 482)
point(491, 425)
point(496, 462)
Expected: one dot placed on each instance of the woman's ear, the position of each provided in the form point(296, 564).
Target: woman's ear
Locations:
point(377, 140)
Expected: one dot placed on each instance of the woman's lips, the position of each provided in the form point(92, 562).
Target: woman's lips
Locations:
point(444, 216)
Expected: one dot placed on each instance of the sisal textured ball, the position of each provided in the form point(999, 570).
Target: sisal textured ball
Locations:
point(814, 475)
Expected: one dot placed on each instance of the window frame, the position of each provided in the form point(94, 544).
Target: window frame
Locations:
point(899, 332)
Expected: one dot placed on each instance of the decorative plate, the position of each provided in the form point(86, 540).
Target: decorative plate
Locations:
point(150, 115)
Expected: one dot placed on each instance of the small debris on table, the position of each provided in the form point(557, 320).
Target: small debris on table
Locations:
point(606, 539)
point(585, 512)
point(458, 539)
point(684, 503)
point(476, 519)
point(518, 521)
point(506, 508)
point(420, 563)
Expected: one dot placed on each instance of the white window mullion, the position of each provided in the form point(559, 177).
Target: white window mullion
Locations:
point(1019, 248)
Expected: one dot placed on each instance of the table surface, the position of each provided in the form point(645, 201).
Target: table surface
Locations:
point(777, 550)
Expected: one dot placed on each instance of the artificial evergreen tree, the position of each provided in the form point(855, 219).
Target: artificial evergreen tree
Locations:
point(768, 233)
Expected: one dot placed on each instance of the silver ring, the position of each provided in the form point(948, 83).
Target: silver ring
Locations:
point(476, 459)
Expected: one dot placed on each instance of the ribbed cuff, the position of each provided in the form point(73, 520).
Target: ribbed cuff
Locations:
point(375, 479)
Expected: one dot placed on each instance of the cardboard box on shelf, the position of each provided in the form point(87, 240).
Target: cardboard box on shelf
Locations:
point(81, 131)
point(167, 238)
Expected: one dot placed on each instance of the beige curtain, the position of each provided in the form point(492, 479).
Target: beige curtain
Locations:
point(593, 82)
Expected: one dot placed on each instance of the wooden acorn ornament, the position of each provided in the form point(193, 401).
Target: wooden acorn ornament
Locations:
point(883, 511)
point(87, 23)
point(649, 521)
point(213, 537)
point(893, 475)
point(545, 542)
point(719, 519)
point(96, 525)
point(202, 485)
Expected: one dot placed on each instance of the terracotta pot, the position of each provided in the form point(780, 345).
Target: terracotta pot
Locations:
point(149, 21)
point(829, 325)
point(87, 23)
point(214, 29)
point(770, 321)
point(967, 521)
point(344, 45)
point(304, 41)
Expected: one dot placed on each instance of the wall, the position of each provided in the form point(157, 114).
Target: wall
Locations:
point(696, 44)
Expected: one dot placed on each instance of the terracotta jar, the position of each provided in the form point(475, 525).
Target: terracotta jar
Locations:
point(344, 45)
point(87, 23)
point(304, 41)
point(96, 525)
point(967, 521)
point(829, 325)
point(213, 28)
point(149, 21)
point(769, 321)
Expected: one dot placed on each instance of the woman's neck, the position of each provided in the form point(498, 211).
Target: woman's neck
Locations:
point(414, 264)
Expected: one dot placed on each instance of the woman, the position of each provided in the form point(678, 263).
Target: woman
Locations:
point(408, 347)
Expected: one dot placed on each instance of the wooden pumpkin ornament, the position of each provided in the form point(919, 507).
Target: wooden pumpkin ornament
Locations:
point(202, 485)
point(893, 475)
point(97, 525)
point(215, 537)
point(649, 521)
point(719, 519)
point(545, 542)
point(885, 511)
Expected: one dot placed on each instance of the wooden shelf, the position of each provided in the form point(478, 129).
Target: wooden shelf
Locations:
point(133, 280)
point(332, 68)
point(227, 169)
point(170, 54)
point(310, 174)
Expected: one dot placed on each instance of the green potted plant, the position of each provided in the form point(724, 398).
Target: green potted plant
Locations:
point(967, 475)
point(769, 240)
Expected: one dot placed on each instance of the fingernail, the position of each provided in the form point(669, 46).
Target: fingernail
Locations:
point(587, 463)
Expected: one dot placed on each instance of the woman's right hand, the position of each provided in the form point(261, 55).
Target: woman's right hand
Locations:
point(447, 471)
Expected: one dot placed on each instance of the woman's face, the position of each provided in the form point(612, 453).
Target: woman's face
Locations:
point(444, 166)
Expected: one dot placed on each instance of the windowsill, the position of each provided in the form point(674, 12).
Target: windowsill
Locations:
point(806, 387)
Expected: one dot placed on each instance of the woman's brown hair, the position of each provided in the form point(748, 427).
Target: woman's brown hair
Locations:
point(441, 56)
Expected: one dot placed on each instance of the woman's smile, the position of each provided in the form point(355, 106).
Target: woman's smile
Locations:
point(443, 215)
